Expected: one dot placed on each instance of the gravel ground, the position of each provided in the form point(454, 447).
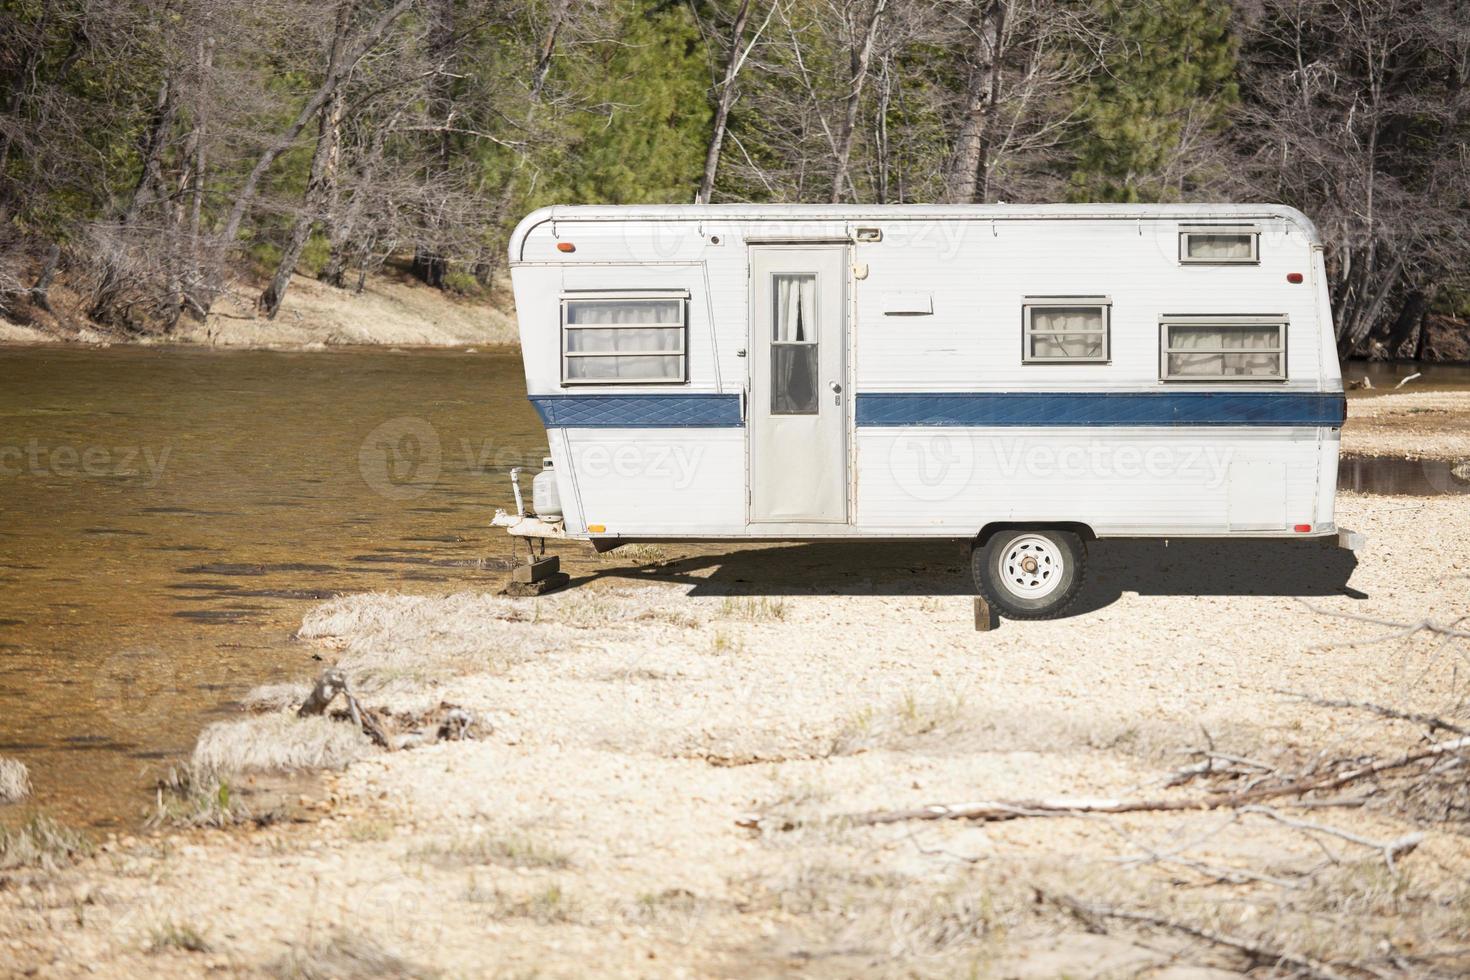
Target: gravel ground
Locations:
point(666, 748)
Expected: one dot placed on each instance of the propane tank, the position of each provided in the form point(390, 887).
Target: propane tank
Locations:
point(545, 499)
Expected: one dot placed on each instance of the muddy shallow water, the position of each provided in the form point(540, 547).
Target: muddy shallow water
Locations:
point(167, 516)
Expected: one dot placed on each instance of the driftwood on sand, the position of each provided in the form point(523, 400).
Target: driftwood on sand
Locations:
point(993, 810)
point(328, 686)
point(447, 723)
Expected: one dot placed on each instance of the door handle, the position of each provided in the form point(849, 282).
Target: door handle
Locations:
point(836, 388)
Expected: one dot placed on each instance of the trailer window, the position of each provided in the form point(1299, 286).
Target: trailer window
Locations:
point(1219, 244)
point(1249, 348)
point(1065, 329)
point(624, 338)
point(794, 344)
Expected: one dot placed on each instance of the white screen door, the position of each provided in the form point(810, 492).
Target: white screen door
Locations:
point(798, 384)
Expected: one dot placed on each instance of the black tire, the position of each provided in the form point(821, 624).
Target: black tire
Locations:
point(1029, 573)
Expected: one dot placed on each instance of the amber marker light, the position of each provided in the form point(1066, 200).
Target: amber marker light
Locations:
point(569, 247)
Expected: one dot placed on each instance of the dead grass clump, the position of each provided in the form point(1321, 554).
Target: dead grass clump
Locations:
point(345, 956)
point(42, 843)
point(171, 935)
point(192, 797)
point(549, 906)
point(756, 609)
point(275, 697)
point(508, 852)
point(638, 554)
point(902, 724)
point(278, 743)
point(15, 781)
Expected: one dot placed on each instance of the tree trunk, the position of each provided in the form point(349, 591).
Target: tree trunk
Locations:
point(726, 99)
point(965, 175)
point(861, 56)
point(40, 291)
point(539, 73)
point(365, 43)
point(1409, 319)
point(323, 159)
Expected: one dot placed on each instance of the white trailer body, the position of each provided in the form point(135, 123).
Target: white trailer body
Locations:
point(801, 372)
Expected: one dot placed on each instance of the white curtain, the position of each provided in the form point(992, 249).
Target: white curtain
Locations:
point(617, 325)
point(796, 309)
point(1219, 246)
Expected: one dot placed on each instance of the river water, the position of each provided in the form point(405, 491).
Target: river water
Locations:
point(168, 515)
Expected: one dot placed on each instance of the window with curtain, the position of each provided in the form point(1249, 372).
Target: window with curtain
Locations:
point(1220, 244)
point(1065, 329)
point(1224, 349)
point(624, 339)
point(794, 344)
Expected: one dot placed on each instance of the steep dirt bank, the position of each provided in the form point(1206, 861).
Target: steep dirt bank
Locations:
point(668, 752)
point(392, 309)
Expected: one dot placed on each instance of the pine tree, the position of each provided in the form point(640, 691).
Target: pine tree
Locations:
point(1151, 113)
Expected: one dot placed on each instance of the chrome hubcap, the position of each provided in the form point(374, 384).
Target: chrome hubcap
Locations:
point(1031, 567)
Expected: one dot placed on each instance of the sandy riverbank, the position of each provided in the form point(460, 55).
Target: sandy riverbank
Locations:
point(1410, 424)
point(393, 309)
point(666, 751)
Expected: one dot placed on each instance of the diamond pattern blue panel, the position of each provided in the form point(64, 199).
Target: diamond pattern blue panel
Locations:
point(638, 411)
point(1052, 408)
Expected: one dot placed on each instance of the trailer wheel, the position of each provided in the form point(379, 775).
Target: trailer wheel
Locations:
point(1029, 574)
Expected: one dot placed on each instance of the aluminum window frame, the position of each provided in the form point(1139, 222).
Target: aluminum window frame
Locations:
point(1280, 321)
point(1030, 304)
point(681, 296)
point(1252, 231)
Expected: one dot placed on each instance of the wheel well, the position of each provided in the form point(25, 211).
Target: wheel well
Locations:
point(1076, 527)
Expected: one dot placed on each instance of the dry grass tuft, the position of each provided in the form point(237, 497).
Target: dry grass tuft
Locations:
point(508, 852)
point(173, 935)
point(345, 956)
point(278, 743)
point(192, 797)
point(42, 843)
point(904, 723)
point(757, 609)
point(15, 781)
point(549, 906)
point(638, 554)
point(275, 697)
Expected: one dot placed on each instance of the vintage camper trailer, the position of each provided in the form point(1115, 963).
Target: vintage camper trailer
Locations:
point(1027, 378)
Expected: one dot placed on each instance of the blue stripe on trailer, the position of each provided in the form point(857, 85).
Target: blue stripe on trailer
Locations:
point(990, 408)
point(673, 411)
point(1119, 408)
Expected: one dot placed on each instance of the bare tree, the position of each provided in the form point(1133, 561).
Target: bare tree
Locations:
point(1356, 111)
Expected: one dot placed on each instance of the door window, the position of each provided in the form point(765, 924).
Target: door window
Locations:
point(794, 344)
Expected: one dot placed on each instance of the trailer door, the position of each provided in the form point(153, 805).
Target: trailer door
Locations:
point(798, 384)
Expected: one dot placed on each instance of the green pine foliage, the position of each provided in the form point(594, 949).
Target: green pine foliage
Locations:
point(1170, 77)
point(643, 139)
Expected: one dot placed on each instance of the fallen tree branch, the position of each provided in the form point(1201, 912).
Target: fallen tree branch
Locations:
point(1258, 952)
point(1432, 721)
point(1401, 630)
point(1389, 849)
point(994, 810)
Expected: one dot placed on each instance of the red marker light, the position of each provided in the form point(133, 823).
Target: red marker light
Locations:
point(1293, 277)
point(569, 247)
point(1302, 528)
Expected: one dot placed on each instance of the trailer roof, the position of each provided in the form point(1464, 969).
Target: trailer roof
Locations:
point(906, 212)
